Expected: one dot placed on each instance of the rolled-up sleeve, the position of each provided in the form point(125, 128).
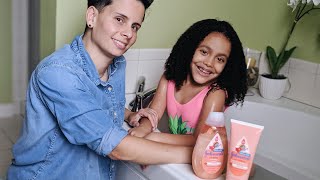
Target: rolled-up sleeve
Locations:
point(80, 117)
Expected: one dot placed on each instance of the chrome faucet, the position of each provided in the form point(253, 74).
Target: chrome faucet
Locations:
point(143, 98)
point(137, 104)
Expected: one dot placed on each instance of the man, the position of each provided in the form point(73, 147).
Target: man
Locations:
point(75, 104)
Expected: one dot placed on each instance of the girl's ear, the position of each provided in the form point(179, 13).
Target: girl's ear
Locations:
point(91, 15)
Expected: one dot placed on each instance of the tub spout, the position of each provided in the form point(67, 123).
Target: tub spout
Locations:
point(137, 104)
point(142, 99)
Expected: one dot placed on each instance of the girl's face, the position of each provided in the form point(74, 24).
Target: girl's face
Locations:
point(210, 58)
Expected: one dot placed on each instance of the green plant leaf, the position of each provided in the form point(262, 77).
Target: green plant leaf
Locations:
point(277, 62)
point(286, 56)
point(272, 58)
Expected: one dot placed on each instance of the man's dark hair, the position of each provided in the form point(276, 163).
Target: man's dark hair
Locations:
point(233, 78)
point(100, 4)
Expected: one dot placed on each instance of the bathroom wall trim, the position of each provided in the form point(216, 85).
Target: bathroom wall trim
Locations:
point(7, 110)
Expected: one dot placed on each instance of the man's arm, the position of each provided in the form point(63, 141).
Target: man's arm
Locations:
point(144, 151)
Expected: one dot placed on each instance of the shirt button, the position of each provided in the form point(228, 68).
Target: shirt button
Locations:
point(115, 114)
point(109, 88)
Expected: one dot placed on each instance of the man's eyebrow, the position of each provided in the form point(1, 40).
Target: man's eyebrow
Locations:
point(137, 24)
point(126, 17)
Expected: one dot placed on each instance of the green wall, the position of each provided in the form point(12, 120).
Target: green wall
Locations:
point(70, 20)
point(47, 27)
point(258, 23)
point(5, 52)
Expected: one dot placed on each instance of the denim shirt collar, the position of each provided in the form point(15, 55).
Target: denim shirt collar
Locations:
point(87, 64)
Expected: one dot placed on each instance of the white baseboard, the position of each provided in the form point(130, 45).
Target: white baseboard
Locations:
point(7, 110)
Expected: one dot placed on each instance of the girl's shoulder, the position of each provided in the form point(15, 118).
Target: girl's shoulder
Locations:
point(216, 89)
point(215, 98)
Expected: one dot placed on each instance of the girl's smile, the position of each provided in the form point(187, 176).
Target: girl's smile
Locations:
point(203, 71)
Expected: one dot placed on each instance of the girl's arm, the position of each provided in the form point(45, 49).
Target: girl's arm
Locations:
point(158, 104)
point(174, 139)
point(214, 101)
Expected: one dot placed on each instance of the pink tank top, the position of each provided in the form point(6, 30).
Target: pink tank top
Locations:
point(183, 118)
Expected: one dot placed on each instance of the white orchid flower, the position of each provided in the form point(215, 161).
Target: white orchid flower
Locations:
point(315, 2)
point(293, 4)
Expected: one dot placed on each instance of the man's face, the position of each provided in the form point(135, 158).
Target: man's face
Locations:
point(116, 25)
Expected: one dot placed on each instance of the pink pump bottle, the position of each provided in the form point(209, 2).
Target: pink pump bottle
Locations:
point(209, 155)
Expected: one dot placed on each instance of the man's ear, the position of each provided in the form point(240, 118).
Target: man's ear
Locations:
point(91, 15)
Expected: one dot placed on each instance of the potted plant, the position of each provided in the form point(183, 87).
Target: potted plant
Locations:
point(272, 86)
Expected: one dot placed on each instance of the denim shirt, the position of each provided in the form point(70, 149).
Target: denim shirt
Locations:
point(73, 119)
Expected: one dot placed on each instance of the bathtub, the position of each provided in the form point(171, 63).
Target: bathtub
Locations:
point(288, 146)
point(290, 142)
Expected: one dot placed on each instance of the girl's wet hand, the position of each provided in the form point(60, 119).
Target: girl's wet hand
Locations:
point(151, 114)
point(134, 119)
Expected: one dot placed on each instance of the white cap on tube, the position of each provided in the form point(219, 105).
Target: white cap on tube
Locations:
point(215, 119)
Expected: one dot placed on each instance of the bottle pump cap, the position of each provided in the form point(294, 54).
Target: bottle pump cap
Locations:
point(215, 119)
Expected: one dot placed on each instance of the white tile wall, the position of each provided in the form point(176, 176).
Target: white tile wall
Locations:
point(144, 62)
point(303, 66)
point(131, 76)
point(302, 83)
point(304, 76)
point(154, 54)
point(152, 71)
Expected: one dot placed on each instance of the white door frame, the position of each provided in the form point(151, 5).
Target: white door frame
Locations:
point(20, 44)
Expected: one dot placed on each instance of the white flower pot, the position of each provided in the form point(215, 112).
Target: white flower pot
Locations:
point(272, 88)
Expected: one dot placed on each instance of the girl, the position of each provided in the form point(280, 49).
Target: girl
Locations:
point(75, 104)
point(205, 72)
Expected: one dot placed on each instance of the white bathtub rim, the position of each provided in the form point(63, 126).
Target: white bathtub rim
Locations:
point(310, 111)
point(273, 162)
point(283, 102)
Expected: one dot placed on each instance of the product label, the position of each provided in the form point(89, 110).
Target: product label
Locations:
point(213, 156)
point(240, 158)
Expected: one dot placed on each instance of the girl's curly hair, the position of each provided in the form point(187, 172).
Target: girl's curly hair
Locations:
point(233, 77)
